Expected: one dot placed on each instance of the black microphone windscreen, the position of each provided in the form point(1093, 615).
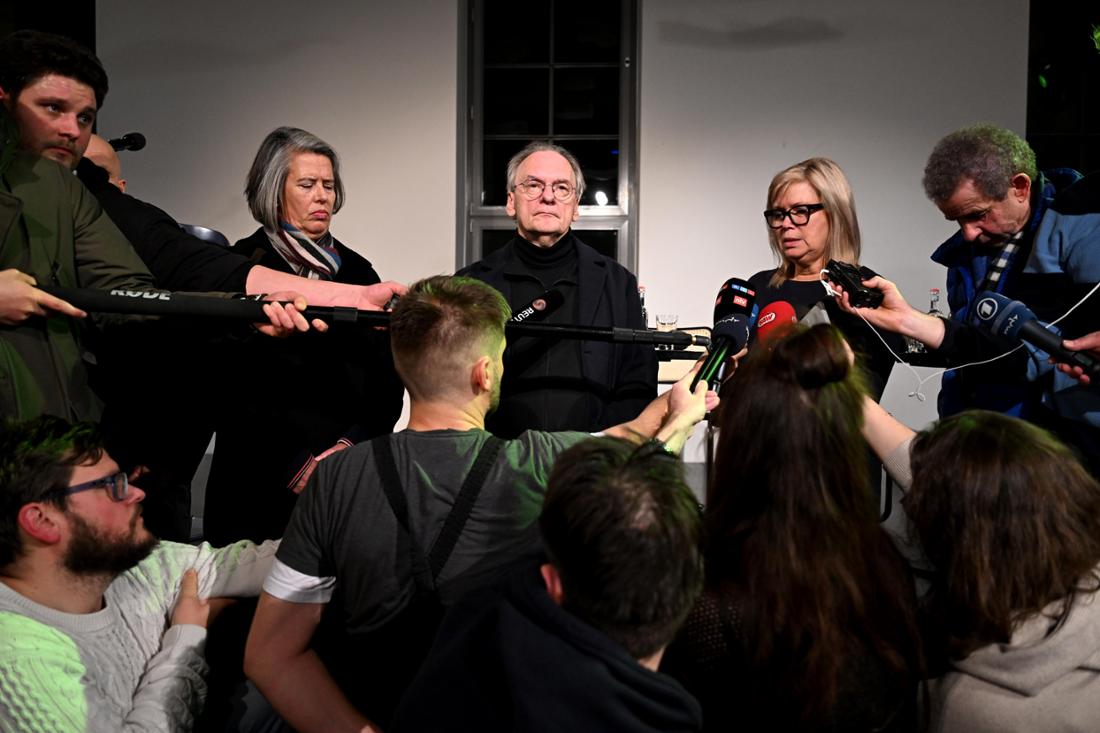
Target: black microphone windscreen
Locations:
point(735, 297)
point(1013, 321)
point(160, 303)
point(999, 315)
point(539, 308)
point(130, 141)
point(728, 336)
point(734, 328)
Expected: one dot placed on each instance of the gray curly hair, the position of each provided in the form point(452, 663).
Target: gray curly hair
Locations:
point(985, 154)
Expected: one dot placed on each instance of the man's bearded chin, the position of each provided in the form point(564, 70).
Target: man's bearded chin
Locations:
point(92, 552)
point(53, 153)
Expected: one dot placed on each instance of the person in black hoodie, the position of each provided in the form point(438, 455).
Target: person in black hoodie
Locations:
point(574, 643)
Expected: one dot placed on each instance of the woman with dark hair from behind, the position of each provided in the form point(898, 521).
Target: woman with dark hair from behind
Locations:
point(1011, 521)
point(808, 617)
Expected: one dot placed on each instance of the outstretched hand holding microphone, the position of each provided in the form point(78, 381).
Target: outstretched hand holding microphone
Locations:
point(1088, 343)
point(20, 299)
point(895, 314)
point(992, 313)
point(734, 311)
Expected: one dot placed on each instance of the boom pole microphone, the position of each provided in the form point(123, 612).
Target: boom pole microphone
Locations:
point(164, 303)
point(1012, 320)
point(130, 141)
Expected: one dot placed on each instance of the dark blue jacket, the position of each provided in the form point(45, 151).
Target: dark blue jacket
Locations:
point(1002, 386)
point(1058, 265)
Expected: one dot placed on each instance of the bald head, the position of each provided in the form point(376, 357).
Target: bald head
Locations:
point(102, 154)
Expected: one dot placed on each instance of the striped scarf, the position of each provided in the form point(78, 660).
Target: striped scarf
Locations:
point(313, 259)
point(1002, 262)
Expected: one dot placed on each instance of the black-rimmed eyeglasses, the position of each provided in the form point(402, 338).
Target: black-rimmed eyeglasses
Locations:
point(799, 215)
point(532, 189)
point(117, 486)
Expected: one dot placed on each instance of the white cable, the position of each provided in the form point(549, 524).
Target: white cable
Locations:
point(1075, 305)
point(921, 382)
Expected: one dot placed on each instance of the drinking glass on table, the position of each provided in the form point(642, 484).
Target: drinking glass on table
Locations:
point(666, 322)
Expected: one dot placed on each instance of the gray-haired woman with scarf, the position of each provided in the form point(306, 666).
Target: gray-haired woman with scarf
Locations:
point(287, 402)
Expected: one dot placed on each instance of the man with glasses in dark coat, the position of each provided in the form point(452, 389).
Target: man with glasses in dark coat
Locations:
point(563, 384)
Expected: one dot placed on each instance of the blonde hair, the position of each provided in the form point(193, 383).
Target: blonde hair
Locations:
point(832, 187)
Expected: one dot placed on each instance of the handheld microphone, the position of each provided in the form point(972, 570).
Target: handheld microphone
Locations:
point(734, 312)
point(1012, 320)
point(735, 297)
point(773, 318)
point(728, 336)
point(130, 141)
point(539, 308)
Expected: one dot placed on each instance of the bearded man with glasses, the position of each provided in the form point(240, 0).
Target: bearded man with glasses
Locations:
point(563, 384)
point(102, 628)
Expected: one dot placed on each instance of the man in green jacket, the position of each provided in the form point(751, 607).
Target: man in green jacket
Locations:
point(52, 231)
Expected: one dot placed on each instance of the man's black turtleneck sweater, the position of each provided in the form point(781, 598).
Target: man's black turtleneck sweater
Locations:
point(568, 384)
point(542, 377)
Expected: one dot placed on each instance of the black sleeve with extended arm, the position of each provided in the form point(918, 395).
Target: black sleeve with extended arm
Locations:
point(965, 344)
point(177, 260)
point(636, 378)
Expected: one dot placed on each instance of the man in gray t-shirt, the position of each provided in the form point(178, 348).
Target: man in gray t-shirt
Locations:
point(345, 531)
point(345, 538)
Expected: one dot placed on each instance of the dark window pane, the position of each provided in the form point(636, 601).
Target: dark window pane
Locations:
point(1055, 102)
point(586, 101)
point(586, 32)
point(495, 157)
point(1080, 152)
point(604, 241)
point(494, 239)
point(516, 33)
point(1057, 151)
point(1090, 92)
point(517, 101)
point(1090, 154)
point(599, 160)
point(1063, 96)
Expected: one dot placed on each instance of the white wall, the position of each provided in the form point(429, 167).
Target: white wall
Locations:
point(731, 92)
point(734, 91)
point(205, 81)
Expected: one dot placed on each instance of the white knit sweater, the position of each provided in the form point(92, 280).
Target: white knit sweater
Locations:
point(121, 668)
